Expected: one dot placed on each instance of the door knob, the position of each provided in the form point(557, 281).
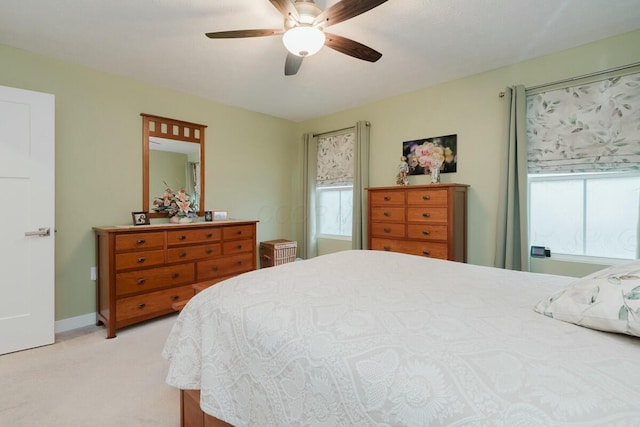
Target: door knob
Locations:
point(42, 232)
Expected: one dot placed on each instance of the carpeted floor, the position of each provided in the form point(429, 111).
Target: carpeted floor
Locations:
point(86, 380)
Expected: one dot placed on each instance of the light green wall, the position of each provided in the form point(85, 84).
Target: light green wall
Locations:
point(99, 160)
point(252, 159)
point(167, 167)
point(471, 108)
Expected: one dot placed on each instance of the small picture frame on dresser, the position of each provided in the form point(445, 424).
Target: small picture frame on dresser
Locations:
point(140, 218)
point(220, 215)
point(208, 216)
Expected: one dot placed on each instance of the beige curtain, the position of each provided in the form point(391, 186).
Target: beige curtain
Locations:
point(308, 247)
point(512, 243)
point(360, 182)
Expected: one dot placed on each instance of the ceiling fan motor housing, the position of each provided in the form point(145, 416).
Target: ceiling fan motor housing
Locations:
point(307, 10)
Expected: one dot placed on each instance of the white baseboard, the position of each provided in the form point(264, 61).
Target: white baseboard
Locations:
point(65, 325)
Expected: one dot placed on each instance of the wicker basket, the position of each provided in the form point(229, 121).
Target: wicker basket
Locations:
point(276, 252)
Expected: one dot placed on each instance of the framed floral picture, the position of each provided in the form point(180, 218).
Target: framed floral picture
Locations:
point(424, 154)
point(140, 218)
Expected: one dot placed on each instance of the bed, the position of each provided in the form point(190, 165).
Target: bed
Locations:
point(372, 338)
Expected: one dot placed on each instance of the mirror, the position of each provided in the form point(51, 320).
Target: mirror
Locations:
point(172, 155)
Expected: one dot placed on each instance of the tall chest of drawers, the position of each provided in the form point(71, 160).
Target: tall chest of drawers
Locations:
point(427, 220)
point(143, 270)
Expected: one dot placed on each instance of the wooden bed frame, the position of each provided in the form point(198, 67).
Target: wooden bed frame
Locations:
point(192, 416)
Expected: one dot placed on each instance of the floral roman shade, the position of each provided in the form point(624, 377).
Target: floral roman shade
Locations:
point(592, 127)
point(335, 159)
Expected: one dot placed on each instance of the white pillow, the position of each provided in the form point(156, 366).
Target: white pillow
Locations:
point(607, 300)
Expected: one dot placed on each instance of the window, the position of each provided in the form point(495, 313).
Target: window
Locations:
point(584, 167)
point(588, 214)
point(334, 185)
point(334, 210)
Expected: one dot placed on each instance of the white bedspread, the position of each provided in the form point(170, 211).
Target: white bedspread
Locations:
point(371, 338)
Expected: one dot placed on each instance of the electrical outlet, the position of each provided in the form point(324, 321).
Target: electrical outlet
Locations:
point(92, 273)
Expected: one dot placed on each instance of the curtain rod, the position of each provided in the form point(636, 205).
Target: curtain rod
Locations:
point(584, 76)
point(337, 130)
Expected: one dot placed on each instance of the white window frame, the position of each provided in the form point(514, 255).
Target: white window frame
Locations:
point(320, 188)
point(577, 176)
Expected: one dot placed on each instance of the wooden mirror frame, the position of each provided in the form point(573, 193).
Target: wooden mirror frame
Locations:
point(162, 127)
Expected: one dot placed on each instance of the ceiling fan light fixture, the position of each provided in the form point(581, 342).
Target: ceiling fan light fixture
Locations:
point(303, 40)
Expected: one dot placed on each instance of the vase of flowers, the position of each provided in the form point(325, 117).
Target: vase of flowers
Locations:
point(178, 205)
point(431, 157)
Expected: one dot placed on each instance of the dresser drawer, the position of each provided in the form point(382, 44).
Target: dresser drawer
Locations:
point(198, 235)
point(238, 232)
point(386, 198)
point(385, 213)
point(237, 246)
point(428, 249)
point(139, 241)
point(383, 229)
point(427, 197)
point(427, 231)
point(139, 259)
point(149, 305)
point(188, 253)
point(154, 278)
point(225, 266)
point(427, 214)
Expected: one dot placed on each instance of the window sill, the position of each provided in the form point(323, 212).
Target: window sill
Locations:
point(588, 259)
point(333, 237)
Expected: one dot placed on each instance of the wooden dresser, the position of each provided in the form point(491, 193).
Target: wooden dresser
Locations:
point(143, 270)
point(428, 220)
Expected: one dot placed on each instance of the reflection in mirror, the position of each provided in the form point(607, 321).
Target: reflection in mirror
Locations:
point(174, 164)
point(173, 156)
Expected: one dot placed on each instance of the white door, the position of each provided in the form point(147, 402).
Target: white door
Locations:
point(27, 298)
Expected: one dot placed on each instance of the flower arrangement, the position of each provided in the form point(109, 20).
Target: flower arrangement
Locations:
point(175, 204)
point(430, 156)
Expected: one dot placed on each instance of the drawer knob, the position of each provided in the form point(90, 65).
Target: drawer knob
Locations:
point(141, 281)
point(386, 214)
point(387, 198)
point(239, 232)
point(182, 237)
point(427, 253)
point(209, 235)
point(386, 248)
point(183, 254)
point(426, 232)
point(426, 197)
point(426, 214)
point(214, 268)
point(239, 247)
point(239, 262)
point(141, 306)
point(141, 241)
point(387, 230)
point(175, 298)
point(175, 275)
point(209, 250)
point(141, 259)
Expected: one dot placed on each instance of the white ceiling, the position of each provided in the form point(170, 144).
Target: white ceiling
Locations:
point(423, 42)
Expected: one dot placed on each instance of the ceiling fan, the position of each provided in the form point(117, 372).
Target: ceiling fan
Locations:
point(303, 32)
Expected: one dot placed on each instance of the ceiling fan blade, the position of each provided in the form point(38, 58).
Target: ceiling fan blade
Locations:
point(292, 64)
point(351, 48)
point(286, 9)
point(345, 9)
point(243, 33)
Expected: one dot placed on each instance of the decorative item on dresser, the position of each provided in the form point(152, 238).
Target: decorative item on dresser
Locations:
point(143, 271)
point(428, 220)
